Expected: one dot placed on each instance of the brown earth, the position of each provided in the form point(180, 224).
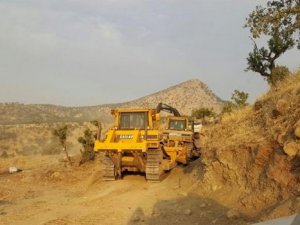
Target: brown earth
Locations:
point(249, 171)
point(50, 192)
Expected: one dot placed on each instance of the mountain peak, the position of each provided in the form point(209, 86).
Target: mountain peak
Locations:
point(185, 97)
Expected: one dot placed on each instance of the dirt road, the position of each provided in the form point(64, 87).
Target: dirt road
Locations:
point(49, 192)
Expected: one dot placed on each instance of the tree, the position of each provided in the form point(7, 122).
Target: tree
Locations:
point(201, 113)
point(240, 98)
point(262, 60)
point(61, 133)
point(87, 141)
point(279, 20)
point(97, 124)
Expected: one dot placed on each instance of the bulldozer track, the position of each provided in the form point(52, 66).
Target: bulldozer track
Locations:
point(109, 171)
point(153, 165)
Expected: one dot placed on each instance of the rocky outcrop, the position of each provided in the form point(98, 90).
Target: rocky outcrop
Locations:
point(252, 157)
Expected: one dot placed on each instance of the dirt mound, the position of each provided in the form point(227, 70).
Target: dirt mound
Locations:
point(254, 153)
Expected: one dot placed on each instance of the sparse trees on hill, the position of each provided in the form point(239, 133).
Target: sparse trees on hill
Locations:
point(238, 100)
point(280, 21)
point(61, 133)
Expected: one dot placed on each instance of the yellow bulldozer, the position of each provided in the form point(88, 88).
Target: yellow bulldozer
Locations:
point(135, 143)
point(180, 136)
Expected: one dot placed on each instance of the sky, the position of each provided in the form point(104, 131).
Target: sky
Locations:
point(90, 52)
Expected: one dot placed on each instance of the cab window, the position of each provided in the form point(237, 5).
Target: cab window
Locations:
point(133, 120)
point(177, 125)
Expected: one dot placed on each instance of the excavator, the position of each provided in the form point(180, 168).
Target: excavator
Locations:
point(136, 143)
point(180, 137)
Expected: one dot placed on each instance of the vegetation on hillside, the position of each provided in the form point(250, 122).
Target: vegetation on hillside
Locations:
point(238, 100)
point(254, 151)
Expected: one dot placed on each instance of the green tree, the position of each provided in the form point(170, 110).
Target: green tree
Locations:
point(280, 15)
point(279, 20)
point(201, 113)
point(97, 124)
point(62, 134)
point(240, 98)
point(87, 141)
point(263, 60)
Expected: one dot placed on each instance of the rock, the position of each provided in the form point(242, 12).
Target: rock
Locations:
point(297, 131)
point(187, 212)
point(233, 214)
point(281, 139)
point(14, 169)
point(291, 148)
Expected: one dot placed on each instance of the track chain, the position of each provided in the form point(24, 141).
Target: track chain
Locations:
point(108, 170)
point(153, 165)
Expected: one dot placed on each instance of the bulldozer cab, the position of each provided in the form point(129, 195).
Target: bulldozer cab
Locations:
point(135, 119)
point(181, 123)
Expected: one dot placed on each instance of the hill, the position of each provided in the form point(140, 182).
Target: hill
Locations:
point(185, 97)
point(255, 154)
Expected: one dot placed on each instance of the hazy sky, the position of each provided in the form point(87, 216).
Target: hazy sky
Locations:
point(87, 52)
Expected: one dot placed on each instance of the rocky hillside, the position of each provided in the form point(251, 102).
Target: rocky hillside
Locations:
point(255, 154)
point(185, 97)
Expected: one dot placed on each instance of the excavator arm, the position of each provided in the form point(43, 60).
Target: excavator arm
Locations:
point(164, 107)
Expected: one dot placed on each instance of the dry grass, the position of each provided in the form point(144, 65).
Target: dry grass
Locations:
point(29, 139)
point(253, 125)
point(292, 84)
point(235, 129)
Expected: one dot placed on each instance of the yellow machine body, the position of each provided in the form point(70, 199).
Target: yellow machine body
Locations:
point(179, 137)
point(137, 143)
point(133, 144)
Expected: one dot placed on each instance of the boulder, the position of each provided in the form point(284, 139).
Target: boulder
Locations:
point(291, 148)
